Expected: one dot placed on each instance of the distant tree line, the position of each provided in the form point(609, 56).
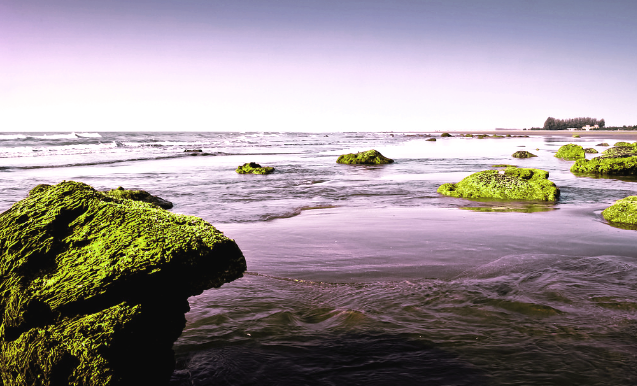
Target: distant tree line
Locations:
point(563, 124)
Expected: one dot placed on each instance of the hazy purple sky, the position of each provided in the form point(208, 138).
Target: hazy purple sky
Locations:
point(314, 65)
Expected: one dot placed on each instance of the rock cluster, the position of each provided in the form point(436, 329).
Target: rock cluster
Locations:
point(369, 157)
point(94, 287)
point(512, 184)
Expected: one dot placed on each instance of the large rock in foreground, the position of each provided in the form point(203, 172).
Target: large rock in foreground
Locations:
point(511, 184)
point(369, 157)
point(622, 211)
point(571, 152)
point(93, 288)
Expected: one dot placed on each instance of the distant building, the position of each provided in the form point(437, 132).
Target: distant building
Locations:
point(589, 127)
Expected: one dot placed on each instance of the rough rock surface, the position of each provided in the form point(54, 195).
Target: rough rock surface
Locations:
point(622, 211)
point(139, 195)
point(611, 165)
point(590, 150)
point(523, 154)
point(571, 152)
point(93, 288)
point(369, 157)
point(512, 184)
point(254, 168)
point(620, 151)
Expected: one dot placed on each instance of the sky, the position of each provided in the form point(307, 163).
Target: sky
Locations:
point(314, 65)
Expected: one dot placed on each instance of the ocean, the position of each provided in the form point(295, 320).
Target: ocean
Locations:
point(365, 274)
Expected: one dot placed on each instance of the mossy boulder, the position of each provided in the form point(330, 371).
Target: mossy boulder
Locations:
point(622, 211)
point(602, 144)
point(523, 154)
point(446, 135)
point(93, 288)
point(618, 165)
point(570, 152)
point(139, 195)
point(511, 184)
point(590, 150)
point(576, 135)
point(431, 139)
point(254, 168)
point(623, 143)
point(369, 157)
point(620, 151)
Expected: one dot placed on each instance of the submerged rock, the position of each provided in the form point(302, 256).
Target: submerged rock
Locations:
point(612, 165)
point(523, 154)
point(369, 157)
point(622, 211)
point(139, 195)
point(254, 168)
point(576, 136)
point(446, 135)
point(590, 150)
point(570, 152)
point(431, 139)
point(602, 144)
point(93, 288)
point(512, 183)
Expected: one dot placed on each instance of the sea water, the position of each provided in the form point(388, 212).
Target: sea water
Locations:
point(366, 275)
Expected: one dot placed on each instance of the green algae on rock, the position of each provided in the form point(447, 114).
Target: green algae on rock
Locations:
point(93, 288)
point(431, 139)
point(623, 143)
point(446, 135)
point(570, 152)
point(602, 144)
point(620, 151)
point(576, 136)
point(512, 184)
point(139, 195)
point(622, 211)
point(590, 150)
point(523, 154)
point(254, 168)
point(369, 157)
point(618, 165)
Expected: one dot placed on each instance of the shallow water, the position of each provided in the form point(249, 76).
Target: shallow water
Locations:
point(364, 274)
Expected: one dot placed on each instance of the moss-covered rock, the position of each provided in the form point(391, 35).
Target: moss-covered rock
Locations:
point(620, 151)
point(93, 287)
point(570, 152)
point(254, 168)
point(576, 135)
point(590, 150)
point(512, 184)
point(622, 211)
point(446, 135)
point(431, 139)
point(523, 154)
point(602, 144)
point(621, 166)
point(369, 157)
point(623, 143)
point(139, 195)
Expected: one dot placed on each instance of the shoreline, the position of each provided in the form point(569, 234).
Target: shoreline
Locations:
point(560, 133)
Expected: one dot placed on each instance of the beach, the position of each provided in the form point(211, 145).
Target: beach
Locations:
point(365, 274)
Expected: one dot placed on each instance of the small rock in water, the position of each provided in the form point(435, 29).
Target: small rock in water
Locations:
point(523, 154)
point(369, 157)
point(254, 168)
point(139, 195)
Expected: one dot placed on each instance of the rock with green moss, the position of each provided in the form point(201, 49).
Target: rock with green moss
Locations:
point(93, 287)
point(523, 154)
point(576, 135)
point(431, 139)
point(590, 150)
point(570, 152)
point(602, 144)
point(254, 168)
point(446, 135)
point(618, 165)
point(511, 184)
point(623, 211)
point(139, 195)
point(369, 157)
point(623, 143)
point(620, 151)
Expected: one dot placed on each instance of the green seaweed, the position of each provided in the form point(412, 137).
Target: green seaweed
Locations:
point(622, 211)
point(570, 152)
point(254, 168)
point(523, 154)
point(369, 157)
point(94, 287)
point(510, 184)
point(606, 165)
point(139, 195)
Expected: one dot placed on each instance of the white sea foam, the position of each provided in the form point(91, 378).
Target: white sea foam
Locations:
point(12, 136)
point(56, 136)
point(88, 135)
